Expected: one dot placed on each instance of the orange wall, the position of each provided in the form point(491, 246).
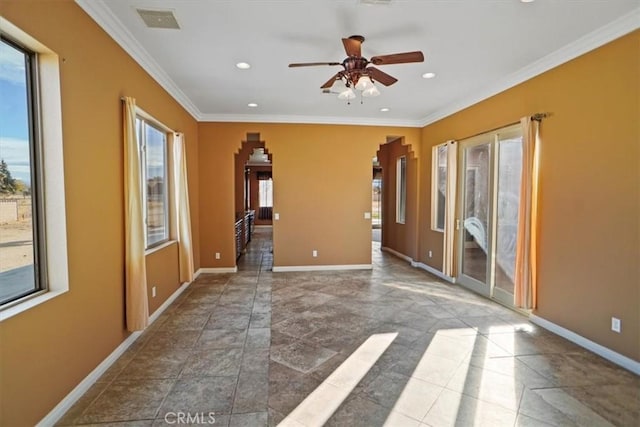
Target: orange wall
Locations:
point(589, 183)
point(163, 273)
point(322, 188)
point(46, 351)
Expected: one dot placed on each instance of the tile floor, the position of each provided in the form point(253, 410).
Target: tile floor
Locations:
point(393, 346)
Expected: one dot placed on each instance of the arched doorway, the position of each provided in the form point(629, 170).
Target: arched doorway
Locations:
point(253, 205)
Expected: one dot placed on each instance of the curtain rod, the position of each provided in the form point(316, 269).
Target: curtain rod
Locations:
point(536, 116)
point(539, 116)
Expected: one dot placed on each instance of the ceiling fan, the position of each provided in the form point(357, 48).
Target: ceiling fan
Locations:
point(357, 73)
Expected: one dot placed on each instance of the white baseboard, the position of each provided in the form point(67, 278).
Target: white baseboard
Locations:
point(286, 268)
point(421, 265)
point(598, 349)
point(65, 404)
point(168, 302)
point(433, 271)
point(398, 254)
point(217, 270)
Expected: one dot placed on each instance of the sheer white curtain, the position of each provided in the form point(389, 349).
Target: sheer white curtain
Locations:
point(525, 292)
point(450, 209)
point(136, 302)
point(185, 249)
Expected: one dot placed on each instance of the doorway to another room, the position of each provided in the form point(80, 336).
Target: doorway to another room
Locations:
point(254, 205)
point(376, 202)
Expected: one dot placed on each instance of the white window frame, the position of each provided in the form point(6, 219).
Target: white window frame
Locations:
point(401, 189)
point(50, 165)
point(148, 120)
point(435, 184)
point(267, 193)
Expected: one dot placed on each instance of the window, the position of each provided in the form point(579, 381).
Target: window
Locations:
point(153, 145)
point(438, 187)
point(21, 241)
point(33, 261)
point(401, 189)
point(265, 193)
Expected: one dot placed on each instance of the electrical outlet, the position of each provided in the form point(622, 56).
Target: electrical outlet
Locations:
point(367, 215)
point(430, 254)
point(217, 255)
point(616, 324)
point(153, 292)
point(314, 253)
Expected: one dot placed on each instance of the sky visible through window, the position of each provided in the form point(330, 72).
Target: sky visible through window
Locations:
point(14, 121)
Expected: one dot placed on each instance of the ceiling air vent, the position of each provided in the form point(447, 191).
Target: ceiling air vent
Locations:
point(159, 18)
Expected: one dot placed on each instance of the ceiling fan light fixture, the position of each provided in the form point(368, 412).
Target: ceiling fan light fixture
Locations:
point(339, 86)
point(371, 92)
point(364, 83)
point(347, 94)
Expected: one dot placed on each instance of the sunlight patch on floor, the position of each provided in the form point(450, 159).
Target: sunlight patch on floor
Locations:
point(320, 405)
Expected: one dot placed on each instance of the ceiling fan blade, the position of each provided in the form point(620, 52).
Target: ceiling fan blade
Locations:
point(313, 64)
point(352, 46)
point(398, 58)
point(330, 82)
point(380, 76)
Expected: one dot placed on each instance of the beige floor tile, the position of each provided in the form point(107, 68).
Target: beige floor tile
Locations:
point(457, 359)
point(556, 407)
point(125, 400)
point(455, 409)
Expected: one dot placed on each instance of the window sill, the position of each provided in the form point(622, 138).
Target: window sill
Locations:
point(29, 303)
point(160, 247)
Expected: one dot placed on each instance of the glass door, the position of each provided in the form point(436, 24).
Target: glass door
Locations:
point(488, 219)
point(476, 214)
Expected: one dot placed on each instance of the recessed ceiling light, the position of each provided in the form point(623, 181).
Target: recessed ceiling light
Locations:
point(428, 75)
point(243, 65)
point(252, 105)
point(384, 109)
point(527, 1)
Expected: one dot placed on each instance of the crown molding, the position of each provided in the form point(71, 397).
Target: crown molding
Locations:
point(103, 16)
point(319, 120)
point(603, 35)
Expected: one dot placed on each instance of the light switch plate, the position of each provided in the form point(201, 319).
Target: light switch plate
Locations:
point(276, 216)
point(367, 215)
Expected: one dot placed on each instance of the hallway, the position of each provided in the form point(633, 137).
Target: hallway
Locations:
point(391, 346)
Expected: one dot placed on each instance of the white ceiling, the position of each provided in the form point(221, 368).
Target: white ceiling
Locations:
point(476, 47)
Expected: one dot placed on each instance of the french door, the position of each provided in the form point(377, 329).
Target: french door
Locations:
point(487, 220)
